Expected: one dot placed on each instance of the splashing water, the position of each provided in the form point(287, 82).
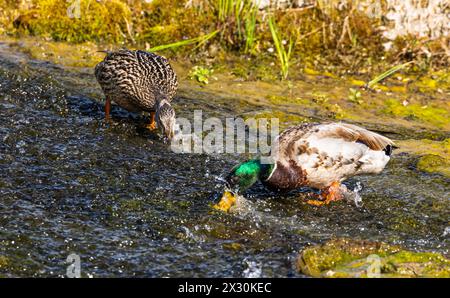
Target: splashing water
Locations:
point(353, 195)
point(254, 269)
point(357, 198)
point(242, 206)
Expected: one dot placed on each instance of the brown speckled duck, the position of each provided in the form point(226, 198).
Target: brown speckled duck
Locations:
point(140, 81)
point(317, 155)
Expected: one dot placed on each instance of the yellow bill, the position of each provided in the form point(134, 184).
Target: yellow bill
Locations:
point(226, 202)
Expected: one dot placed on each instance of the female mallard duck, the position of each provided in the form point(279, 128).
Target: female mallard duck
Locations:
point(139, 81)
point(315, 155)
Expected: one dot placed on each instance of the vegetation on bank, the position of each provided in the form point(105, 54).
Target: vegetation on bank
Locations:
point(357, 258)
point(318, 37)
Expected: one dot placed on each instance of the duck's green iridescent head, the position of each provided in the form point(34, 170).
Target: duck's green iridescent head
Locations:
point(246, 174)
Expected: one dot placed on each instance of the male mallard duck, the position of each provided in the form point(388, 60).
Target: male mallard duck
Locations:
point(317, 155)
point(139, 81)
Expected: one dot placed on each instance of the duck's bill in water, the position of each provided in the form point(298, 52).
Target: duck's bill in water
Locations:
point(227, 201)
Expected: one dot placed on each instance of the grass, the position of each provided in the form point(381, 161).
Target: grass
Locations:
point(197, 40)
point(386, 74)
point(237, 12)
point(225, 9)
point(283, 55)
point(237, 21)
point(155, 25)
point(250, 26)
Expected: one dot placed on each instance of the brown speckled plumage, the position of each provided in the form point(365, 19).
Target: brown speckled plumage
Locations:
point(135, 80)
point(287, 177)
point(316, 155)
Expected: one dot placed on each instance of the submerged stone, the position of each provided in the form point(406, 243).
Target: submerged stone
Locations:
point(360, 258)
point(3, 262)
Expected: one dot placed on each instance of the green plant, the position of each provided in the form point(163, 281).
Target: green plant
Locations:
point(283, 55)
point(250, 26)
point(320, 98)
point(198, 40)
point(237, 22)
point(237, 14)
point(355, 96)
point(92, 21)
point(224, 9)
point(386, 74)
point(200, 74)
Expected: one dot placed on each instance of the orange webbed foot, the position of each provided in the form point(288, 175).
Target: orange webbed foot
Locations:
point(152, 124)
point(328, 195)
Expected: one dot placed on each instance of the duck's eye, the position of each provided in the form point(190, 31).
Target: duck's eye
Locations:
point(231, 181)
point(388, 150)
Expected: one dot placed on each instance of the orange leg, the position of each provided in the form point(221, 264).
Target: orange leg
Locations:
point(152, 124)
point(331, 193)
point(107, 109)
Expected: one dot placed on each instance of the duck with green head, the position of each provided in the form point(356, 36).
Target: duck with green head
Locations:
point(317, 155)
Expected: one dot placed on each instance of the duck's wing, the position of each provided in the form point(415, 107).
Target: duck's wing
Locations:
point(331, 152)
point(291, 141)
point(353, 133)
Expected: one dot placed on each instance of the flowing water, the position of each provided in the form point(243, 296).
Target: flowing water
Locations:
point(119, 198)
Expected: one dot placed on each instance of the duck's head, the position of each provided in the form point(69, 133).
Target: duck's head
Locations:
point(165, 118)
point(240, 178)
point(244, 175)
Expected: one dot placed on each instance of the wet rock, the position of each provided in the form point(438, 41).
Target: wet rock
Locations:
point(358, 258)
point(3, 261)
point(434, 164)
point(434, 156)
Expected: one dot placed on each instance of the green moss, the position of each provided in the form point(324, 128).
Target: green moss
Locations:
point(316, 260)
point(276, 99)
point(336, 111)
point(95, 20)
point(434, 164)
point(416, 264)
point(285, 119)
point(353, 258)
point(434, 155)
point(428, 114)
point(416, 257)
point(75, 55)
point(264, 72)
